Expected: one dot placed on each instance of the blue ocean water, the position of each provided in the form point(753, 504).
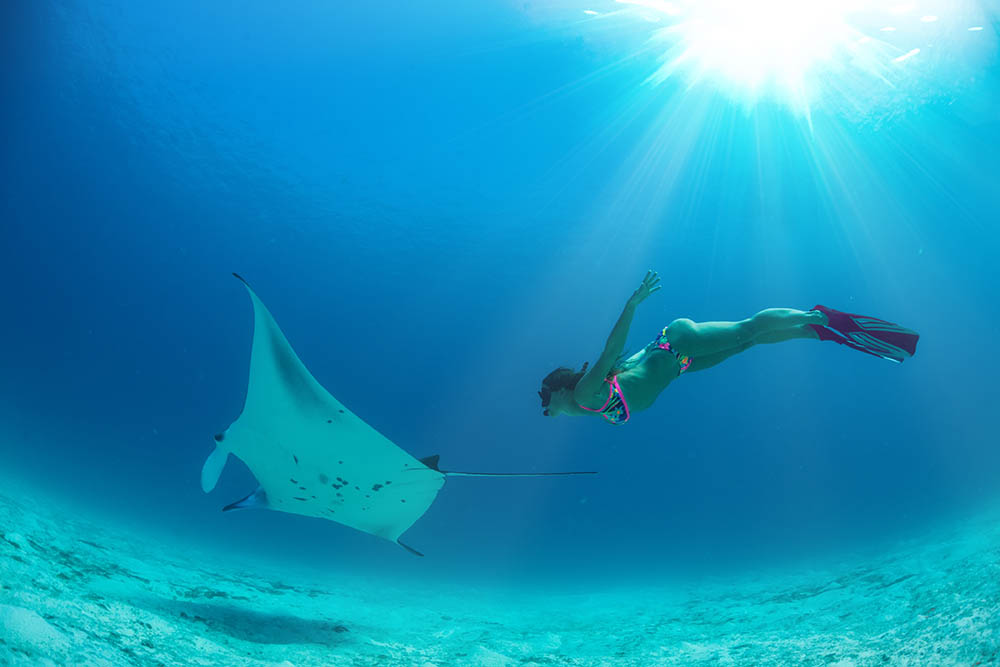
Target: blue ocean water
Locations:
point(442, 202)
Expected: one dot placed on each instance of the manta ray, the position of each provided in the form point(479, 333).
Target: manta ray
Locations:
point(312, 456)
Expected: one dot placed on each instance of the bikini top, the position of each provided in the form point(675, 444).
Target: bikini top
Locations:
point(615, 409)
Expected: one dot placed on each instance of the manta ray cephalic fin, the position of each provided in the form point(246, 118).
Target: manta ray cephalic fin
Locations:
point(214, 464)
point(255, 501)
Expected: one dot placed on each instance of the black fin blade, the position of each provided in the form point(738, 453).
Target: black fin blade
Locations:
point(432, 462)
point(410, 549)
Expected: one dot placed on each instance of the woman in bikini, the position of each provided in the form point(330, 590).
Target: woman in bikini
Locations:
point(615, 387)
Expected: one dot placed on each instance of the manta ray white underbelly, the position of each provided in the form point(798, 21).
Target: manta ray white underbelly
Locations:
point(313, 456)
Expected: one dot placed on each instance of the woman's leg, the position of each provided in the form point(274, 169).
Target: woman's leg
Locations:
point(700, 339)
point(707, 361)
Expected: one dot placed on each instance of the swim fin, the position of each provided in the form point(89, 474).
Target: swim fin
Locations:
point(868, 334)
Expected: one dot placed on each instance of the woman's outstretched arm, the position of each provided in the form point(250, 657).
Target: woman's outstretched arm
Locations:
point(590, 384)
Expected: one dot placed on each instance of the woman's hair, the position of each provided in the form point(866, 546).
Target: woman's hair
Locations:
point(567, 378)
point(560, 378)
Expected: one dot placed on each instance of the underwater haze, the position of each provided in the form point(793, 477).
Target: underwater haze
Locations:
point(440, 203)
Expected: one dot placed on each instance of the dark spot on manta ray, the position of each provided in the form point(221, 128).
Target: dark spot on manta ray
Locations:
point(357, 488)
point(302, 499)
point(302, 488)
point(388, 482)
point(219, 437)
point(376, 487)
point(341, 412)
point(293, 480)
point(340, 462)
point(296, 459)
point(329, 421)
point(323, 479)
point(402, 500)
point(313, 497)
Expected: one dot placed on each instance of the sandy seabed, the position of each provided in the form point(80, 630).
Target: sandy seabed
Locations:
point(72, 592)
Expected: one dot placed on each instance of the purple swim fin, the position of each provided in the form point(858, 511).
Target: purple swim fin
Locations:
point(868, 334)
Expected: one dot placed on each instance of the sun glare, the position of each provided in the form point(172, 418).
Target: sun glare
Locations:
point(796, 50)
point(756, 44)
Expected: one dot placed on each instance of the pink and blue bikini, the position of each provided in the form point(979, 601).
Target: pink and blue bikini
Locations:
point(615, 409)
point(664, 344)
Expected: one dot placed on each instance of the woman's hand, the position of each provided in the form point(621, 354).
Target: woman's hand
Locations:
point(650, 284)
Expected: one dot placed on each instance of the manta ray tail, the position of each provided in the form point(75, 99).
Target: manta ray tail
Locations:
point(214, 464)
point(410, 549)
point(460, 473)
point(432, 463)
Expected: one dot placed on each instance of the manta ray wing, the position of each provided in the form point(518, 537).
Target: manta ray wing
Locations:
point(313, 456)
